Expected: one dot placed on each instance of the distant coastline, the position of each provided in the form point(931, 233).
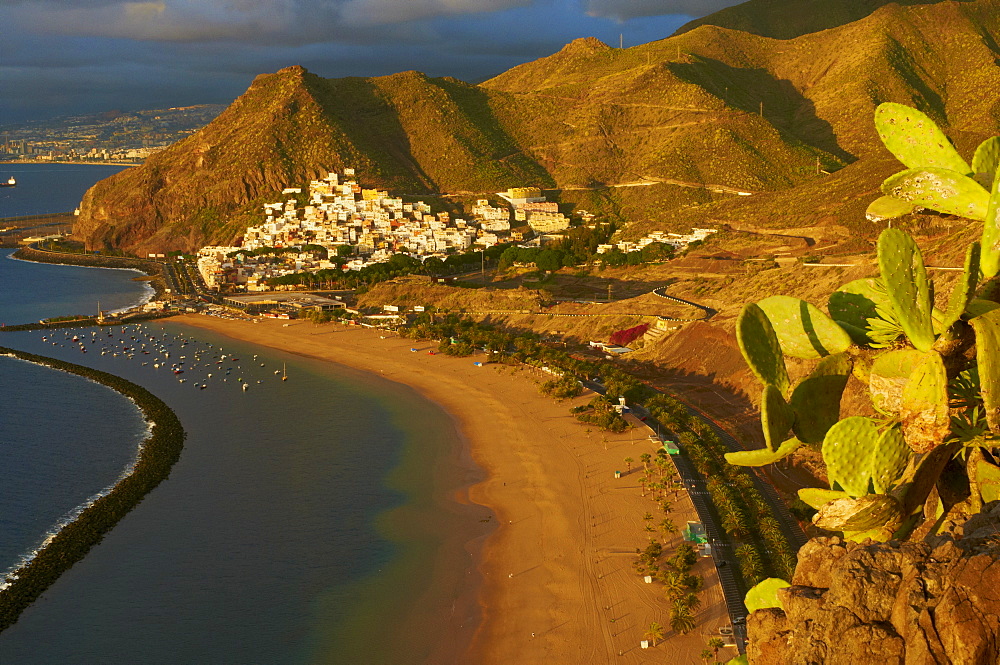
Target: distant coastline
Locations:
point(91, 162)
point(157, 455)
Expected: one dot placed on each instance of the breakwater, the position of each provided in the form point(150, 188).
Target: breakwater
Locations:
point(151, 268)
point(157, 454)
point(88, 322)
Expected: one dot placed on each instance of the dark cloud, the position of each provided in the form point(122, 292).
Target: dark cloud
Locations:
point(87, 55)
point(623, 10)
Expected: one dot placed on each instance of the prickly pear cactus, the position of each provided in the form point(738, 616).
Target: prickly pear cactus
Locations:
point(816, 399)
point(803, 330)
point(939, 189)
point(986, 160)
point(933, 376)
point(888, 376)
point(888, 207)
point(965, 288)
point(987, 327)
point(760, 347)
point(847, 451)
point(905, 279)
point(776, 417)
point(991, 233)
point(915, 139)
point(923, 407)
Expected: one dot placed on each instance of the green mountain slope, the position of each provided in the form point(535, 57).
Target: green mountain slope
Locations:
point(664, 134)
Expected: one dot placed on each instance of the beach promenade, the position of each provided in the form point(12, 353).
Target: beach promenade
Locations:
point(556, 582)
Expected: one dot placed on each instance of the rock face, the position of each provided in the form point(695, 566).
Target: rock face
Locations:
point(933, 603)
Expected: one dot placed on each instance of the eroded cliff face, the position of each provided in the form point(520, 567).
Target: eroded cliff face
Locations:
point(935, 602)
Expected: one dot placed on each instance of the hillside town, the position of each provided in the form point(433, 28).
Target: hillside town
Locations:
point(336, 218)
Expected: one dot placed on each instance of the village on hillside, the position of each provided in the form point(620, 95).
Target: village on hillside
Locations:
point(336, 223)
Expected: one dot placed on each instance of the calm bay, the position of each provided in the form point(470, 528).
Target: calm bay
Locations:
point(299, 525)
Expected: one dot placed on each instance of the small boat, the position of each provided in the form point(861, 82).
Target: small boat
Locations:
point(10, 182)
point(246, 387)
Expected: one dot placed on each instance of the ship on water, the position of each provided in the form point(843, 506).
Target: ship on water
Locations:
point(10, 182)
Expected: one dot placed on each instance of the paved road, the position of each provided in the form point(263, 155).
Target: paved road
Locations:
point(723, 553)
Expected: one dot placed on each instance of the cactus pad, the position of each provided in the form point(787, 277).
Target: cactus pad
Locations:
point(765, 594)
point(856, 302)
point(991, 233)
point(762, 456)
point(803, 330)
point(986, 160)
point(906, 283)
point(988, 479)
point(888, 207)
point(816, 400)
point(862, 514)
point(776, 416)
point(924, 405)
point(888, 460)
point(978, 307)
point(939, 189)
point(915, 139)
point(760, 347)
point(888, 377)
point(964, 289)
point(847, 452)
point(987, 327)
point(817, 497)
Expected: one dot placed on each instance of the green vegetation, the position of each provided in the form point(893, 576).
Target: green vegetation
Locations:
point(929, 460)
point(156, 457)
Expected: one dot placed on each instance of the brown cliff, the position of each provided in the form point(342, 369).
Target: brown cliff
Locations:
point(928, 603)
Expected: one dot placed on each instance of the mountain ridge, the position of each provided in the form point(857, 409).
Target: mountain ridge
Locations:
point(709, 106)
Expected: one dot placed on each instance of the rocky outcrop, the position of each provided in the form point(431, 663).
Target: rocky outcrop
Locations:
point(928, 603)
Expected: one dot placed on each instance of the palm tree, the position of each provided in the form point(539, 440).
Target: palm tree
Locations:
point(644, 458)
point(667, 526)
point(654, 633)
point(706, 655)
point(690, 601)
point(715, 644)
point(628, 464)
point(673, 585)
point(682, 619)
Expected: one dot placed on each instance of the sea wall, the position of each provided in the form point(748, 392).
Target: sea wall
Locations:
point(88, 322)
point(157, 454)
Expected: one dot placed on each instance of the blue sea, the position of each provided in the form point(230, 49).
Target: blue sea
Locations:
point(302, 523)
point(48, 188)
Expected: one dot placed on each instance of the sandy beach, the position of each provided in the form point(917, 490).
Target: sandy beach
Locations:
point(553, 582)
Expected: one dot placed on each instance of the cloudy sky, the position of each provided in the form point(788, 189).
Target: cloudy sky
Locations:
point(62, 57)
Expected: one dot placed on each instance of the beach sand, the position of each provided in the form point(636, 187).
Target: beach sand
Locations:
point(555, 580)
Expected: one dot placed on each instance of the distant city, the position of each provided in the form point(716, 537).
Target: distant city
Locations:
point(113, 136)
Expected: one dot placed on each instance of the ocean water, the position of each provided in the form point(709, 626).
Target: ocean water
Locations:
point(48, 188)
point(57, 290)
point(302, 523)
point(64, 439)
